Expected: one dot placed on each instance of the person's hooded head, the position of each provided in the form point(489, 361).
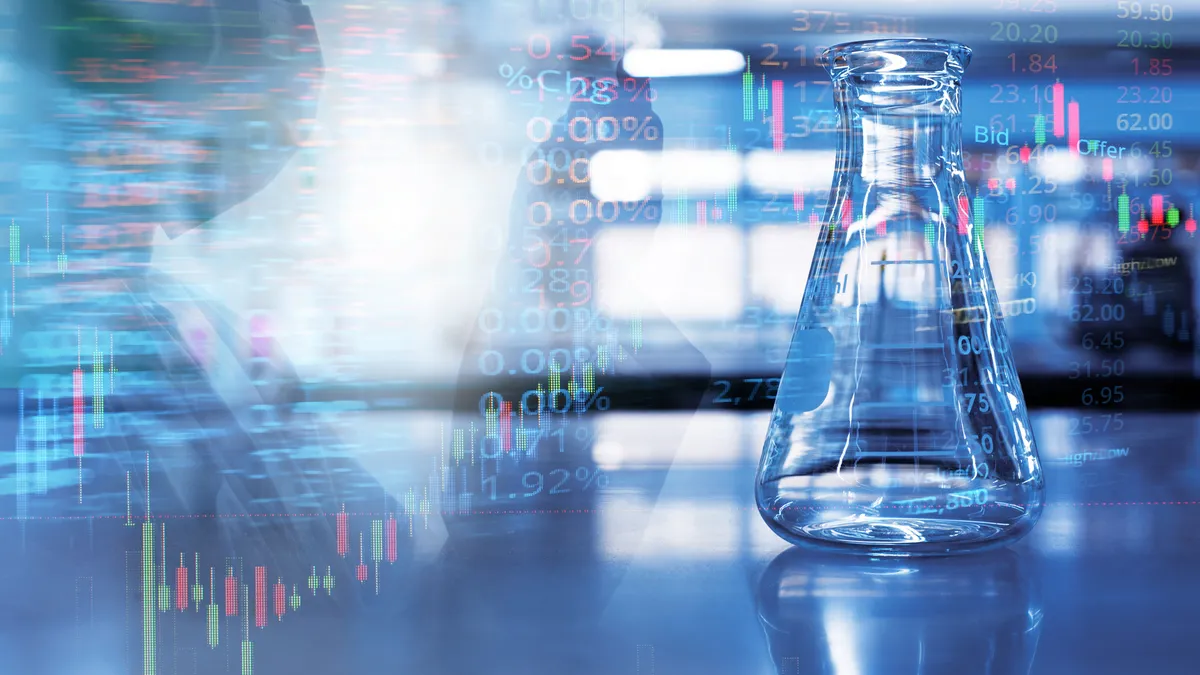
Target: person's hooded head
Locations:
point(170, 113)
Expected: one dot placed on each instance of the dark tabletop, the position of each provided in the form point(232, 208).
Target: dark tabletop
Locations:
point(661, 567)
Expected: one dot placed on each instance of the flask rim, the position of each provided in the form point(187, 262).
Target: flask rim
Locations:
point(939, 56)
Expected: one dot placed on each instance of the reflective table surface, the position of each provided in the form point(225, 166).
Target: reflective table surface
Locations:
point(654, 562)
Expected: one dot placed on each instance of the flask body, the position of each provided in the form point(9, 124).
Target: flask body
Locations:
point(900, 427)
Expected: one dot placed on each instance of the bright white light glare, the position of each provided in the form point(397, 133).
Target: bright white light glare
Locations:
point(1061, 167)
point(428, 63)
point(699, 170)
point(801, 170)
point(779, 264)
point(630, 175)
point(683, 62)
point(657, 440)
point(1097, 250)
point(689, 274)
point(623, 175)
point(1062, 250)
point(892, 62)
point(1004, 267)
point(1135, 165)
point(608, 455)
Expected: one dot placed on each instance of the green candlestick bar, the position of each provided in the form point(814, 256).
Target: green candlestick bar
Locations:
point(149, 614)
point(1039, 129)
point(747, 94)
point(247, 657)
point(1123, 213)
point(978, 224)
point(197, 588)
point(214, 625)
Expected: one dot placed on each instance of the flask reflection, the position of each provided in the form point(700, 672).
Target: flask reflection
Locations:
point(836, 615)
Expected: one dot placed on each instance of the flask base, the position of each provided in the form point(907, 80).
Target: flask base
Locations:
point(909, 510)
point(881, 530)
point(898, 536)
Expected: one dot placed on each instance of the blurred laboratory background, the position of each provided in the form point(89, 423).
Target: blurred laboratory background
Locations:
point(431, 109)
point(531, 355)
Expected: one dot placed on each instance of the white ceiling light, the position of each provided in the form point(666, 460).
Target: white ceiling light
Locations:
point(683, 62)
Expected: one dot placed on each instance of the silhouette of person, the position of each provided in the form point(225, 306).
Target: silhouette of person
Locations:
point(134, 116)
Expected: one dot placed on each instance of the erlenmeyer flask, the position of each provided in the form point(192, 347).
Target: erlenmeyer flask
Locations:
point(899, 427)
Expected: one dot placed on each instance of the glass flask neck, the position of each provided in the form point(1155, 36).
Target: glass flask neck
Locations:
point(900, 139)
point(900, 105)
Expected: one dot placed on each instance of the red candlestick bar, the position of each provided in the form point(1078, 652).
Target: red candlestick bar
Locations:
point(777, 114)
point(231, 595)
point(964, 214)
point(1073, 130)
point(847, 213)
point(181, 588)
point(1106, 169)
point(506, 425)
point(280, 600)
point(1059, 113)
point(702, 214)
point(260, 596)
point(1156, 209)
point(389, 534)
point(343, 534)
